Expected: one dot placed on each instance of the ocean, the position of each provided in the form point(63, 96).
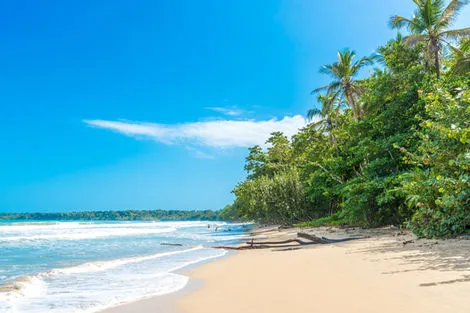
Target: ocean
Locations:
point(85, 267)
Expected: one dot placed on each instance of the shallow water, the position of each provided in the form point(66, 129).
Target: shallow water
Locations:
point(86, 267)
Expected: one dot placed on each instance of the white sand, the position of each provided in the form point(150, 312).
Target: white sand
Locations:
point(373, 275)
point(351, 277)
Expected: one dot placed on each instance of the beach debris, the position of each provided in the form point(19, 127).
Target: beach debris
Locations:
point(288, 243)
point(252, 243)
point(407, 242)
point(232, 247)
point(311, 237)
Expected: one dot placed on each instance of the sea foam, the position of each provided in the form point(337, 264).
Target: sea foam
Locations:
point(87, 267)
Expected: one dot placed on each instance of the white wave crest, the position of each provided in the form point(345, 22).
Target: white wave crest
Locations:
point(24, 286)
point(105, 265)
point(87, 234)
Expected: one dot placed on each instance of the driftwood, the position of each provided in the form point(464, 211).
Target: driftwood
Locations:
point(233, 248)
point(171, 244)
point(312, 238)
point(267, 245)
point(279, 242)
point(324, 240)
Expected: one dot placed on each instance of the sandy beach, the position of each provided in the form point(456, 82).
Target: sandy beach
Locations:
point(376, 274)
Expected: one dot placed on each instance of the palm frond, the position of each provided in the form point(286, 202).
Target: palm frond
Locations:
point(398, 22)
point(413, 40)
point(433, 10)
point(451, 12)
point(465, 45)
point(426, 16)
point(343, 87)
point(456, 33)
point(329, 69)
point(456, 51)
point(328, 101)
point(462, 64)
point(312, 113)
point(365, 61)
point(327, 88)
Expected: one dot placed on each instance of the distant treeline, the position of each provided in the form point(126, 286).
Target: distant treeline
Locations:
point(127, 215)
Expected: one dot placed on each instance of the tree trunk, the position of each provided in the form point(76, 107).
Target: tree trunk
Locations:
point(332, 207)
point(435, 46)
point(330, 128)
point(352, 103)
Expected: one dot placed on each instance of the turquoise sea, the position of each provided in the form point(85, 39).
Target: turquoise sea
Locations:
point(87, 267)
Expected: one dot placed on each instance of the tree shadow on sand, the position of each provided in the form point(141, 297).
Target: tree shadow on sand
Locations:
point(421, 254)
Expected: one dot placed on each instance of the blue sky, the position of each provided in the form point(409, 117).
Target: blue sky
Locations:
point(151, 104)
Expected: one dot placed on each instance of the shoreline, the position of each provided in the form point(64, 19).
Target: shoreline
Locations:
point(167, 302)
point(387, 271)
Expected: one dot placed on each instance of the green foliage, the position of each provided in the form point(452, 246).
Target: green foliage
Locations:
point(461, 61)
point(229, 213)
point(399, 153)
point(430, 26)
point(332, 220)
point(277, 199)
point(343, 86)
point(439, 186)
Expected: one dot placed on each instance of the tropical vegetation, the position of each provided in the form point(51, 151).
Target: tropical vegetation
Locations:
point(390, 148)
point(430, 25)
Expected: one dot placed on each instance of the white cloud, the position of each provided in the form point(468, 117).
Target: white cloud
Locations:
point(233, 111)
point(214, 134)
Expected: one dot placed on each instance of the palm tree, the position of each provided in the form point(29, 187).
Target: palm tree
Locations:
point(328, 106)
point(330, 109)
point(344, 87)
point(430, 24)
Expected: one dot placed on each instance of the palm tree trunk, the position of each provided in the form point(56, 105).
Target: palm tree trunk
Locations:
point(435, 52)
point(332, 137)
point(353, 106)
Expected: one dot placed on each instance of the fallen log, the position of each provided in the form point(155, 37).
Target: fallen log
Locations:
point(312, 238)
point(233, 248)
point(263, 245)
point(286, 243)
point(277, 242)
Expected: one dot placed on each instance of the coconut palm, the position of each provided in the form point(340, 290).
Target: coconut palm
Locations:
point(344, 87)
point(330, 109)
point(328, 106)
point(430, 25)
